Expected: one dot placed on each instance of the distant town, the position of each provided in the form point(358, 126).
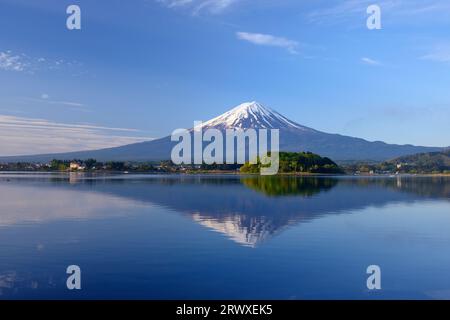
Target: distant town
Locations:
point(290, 163)
point(92, 165)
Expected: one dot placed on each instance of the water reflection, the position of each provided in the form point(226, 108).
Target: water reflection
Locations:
point(223, 237)
point(31, 204)
point(289, 186)
point(249, 210)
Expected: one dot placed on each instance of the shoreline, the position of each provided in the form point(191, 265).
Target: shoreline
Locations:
point(229, 173)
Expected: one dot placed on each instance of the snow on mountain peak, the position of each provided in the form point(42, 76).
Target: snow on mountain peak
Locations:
point(252, 115)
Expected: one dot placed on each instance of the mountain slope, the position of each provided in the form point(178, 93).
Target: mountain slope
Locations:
point(293, 137)
point(425, 162)
point(253, 115)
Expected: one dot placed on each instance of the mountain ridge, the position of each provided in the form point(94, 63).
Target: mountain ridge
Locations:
point(293, 138)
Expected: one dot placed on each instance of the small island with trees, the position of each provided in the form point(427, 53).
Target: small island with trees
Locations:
point(298, 163)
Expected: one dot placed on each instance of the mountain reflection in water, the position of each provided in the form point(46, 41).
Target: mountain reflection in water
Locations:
point(249, 209)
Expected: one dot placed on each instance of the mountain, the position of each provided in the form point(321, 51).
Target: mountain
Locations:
point(293, 137)
point(425, 162)
point(256, 116)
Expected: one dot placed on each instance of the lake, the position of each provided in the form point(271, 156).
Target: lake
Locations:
point(223, 237)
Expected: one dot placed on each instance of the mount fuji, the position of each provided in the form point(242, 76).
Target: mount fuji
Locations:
point(253, 115)
point(293, 137)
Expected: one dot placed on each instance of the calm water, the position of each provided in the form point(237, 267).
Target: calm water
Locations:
point(217, 237)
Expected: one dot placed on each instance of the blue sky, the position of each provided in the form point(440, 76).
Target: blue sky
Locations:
point(139, 69)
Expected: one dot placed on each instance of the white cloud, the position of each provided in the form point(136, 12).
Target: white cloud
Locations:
point(22, 62)
point(214, 6)
point(371, 62)
point(269, 40)
point(11, 62)
point(440, 53)
point(45, 98)
point(67, 103)
point(344, 11)
point(176, 3)
point(197, 6)
point(20, 136)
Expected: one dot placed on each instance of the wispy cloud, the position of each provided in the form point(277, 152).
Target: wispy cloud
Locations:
point(342, 11)
point(21, 135)
point(371, 61)
point(67, 103)
point(440, 53)
point(11, 62)
point(269, 40)
point(45, 99)
point(21, 62)
point(197, 6)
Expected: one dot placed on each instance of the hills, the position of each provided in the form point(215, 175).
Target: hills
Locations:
point(433, 158)
point(293, 138)
point(421, 163)
point(424, 162)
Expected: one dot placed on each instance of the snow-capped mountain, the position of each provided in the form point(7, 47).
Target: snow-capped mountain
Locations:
point(293, 137)
point(253, 115)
